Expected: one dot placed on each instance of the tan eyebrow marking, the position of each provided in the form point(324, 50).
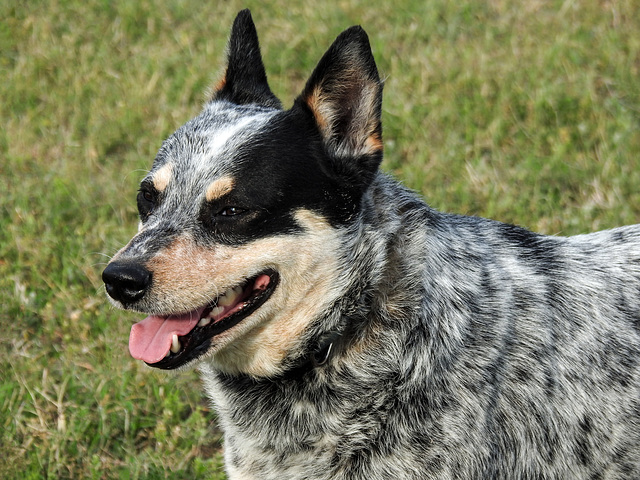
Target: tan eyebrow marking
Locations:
point(219, 188)
point(162, 177)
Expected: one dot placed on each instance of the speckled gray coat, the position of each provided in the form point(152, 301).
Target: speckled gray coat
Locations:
point(378, 339)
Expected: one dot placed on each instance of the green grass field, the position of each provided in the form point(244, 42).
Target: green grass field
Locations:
point(527, 112)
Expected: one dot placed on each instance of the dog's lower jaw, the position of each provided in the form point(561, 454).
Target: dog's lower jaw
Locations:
point(250, 355)
point(242, 357)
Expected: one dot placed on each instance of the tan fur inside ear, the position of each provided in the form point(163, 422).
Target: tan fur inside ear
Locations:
point(320, 112)
point(373, 143)
point(352, 106)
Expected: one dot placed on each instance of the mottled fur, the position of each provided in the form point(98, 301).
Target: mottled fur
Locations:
point(427, 345)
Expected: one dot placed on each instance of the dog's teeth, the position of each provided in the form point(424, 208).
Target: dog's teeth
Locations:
point(175, 344)
point(229, 297)
point(216, 311)
point(204, 321)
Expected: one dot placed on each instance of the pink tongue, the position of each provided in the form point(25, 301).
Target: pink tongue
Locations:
point(150, 339)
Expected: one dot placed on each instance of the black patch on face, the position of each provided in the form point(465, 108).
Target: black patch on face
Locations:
point(279, 171)
point(148, 199)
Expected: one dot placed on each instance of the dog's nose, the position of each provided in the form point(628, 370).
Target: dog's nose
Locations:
point(126, 282)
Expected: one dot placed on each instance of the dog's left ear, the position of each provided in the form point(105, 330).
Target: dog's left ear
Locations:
point(245, 79)
point(344, 94)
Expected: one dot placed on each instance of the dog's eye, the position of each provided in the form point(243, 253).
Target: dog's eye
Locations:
point(231, 211)
point(146, 197)
point(146, 201)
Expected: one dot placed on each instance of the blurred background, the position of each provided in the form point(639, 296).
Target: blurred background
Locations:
point(526, 112)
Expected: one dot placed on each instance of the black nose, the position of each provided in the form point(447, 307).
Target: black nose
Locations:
point(126, 282)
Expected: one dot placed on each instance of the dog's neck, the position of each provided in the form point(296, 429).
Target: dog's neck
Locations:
point(353, 312)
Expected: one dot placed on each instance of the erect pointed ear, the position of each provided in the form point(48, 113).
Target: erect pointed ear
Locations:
point(245, 79)
point(344, 94)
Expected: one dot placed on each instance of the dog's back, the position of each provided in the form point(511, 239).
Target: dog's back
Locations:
point(533, 344)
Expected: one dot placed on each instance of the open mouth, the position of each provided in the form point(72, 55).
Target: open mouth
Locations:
point(171, 341)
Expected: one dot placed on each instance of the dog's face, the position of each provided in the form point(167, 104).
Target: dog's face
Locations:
point(238, 249)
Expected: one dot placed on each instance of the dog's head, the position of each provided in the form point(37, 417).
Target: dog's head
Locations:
point(239, 243)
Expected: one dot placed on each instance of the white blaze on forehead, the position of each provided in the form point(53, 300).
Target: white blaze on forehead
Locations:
point(230, 132)
point(211, 144)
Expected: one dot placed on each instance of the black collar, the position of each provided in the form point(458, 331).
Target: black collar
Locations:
point(326, 348)
point(320, 355)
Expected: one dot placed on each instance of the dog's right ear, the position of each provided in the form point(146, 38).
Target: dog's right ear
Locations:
point(245, 79)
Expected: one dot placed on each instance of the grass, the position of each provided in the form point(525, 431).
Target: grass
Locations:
point(527, 112)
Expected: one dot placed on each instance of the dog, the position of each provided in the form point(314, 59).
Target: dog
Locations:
point(346, 330)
